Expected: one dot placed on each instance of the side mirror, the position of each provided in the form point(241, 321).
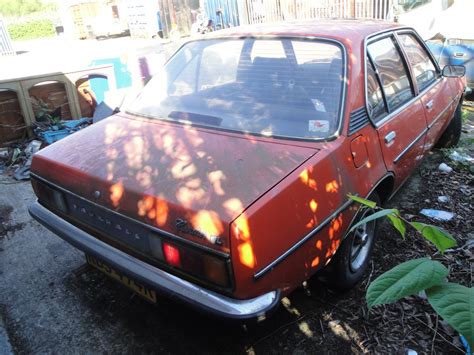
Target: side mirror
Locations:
point(454, 71)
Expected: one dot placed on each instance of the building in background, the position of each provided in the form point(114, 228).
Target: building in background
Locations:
point(93, 18)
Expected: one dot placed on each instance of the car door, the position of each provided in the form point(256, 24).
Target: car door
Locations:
point(436, 95)
point(393, 106)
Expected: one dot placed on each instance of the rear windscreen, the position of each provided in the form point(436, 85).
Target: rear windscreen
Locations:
point(272, 87)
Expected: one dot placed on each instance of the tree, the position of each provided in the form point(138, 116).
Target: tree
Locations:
point(19, 8)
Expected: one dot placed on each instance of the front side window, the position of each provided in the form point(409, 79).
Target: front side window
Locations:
point(423, 68)
point(392, 72)
point(273, 87)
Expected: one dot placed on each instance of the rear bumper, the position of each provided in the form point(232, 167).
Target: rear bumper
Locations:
point(157, 279)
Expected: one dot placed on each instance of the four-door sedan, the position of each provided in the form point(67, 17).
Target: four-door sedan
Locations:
point(225, 183)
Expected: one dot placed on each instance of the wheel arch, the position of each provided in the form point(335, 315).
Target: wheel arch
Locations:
point(384, 187)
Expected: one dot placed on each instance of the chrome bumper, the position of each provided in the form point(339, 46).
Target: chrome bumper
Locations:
point(157, 279)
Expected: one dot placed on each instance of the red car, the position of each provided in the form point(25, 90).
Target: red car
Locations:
point(225, 183)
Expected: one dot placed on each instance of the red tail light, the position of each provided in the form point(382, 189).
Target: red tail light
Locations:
point(196, 263)
point(172, 255)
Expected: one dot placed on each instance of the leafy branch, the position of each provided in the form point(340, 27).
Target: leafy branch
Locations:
point(452, 301)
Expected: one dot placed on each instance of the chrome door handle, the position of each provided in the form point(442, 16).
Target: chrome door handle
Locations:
point(429, 105)
point(390, 137)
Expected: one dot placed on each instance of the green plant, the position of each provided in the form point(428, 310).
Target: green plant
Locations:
point(18, 8)
point(31, 30)
point(452, 301)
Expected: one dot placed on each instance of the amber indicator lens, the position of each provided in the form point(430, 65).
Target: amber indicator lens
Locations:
point(199, 264)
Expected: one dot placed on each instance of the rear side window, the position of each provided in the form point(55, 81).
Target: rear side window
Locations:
point(392, 72)
point(423, 68)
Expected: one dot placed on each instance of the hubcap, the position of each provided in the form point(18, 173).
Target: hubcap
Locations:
point(361, 242)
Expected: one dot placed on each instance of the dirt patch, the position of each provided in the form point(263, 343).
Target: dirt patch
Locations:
point(5, 222)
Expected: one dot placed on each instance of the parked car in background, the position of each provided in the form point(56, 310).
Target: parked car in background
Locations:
point(225, 183)
point(454, 51)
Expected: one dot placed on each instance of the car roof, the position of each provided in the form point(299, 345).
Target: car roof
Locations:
point(342, 29)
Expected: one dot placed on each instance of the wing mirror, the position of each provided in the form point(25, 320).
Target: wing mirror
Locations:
point(454, 71)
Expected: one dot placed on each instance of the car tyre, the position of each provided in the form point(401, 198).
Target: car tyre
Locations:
point(351, 260)
point(452, 134)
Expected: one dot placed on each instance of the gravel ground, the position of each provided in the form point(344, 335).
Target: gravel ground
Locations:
point(51, 302)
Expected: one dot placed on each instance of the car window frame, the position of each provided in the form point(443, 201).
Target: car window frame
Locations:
point(393, 33)
point(423, 45)
point(344, 84)
point(379, 83)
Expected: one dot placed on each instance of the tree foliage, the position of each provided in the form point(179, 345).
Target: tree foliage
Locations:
point(19, 8)
point(31, 30)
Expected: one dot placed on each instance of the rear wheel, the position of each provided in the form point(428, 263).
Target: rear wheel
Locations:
point(450, 137)
point(351, 260)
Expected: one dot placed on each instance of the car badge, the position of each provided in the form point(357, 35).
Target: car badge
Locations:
point(184, 227)
point(97, 194)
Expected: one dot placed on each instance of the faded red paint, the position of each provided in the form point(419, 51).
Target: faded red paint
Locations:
point(157, 172)
point(262, 195)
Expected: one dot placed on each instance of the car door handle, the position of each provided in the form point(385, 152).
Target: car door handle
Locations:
point(390, 137)
point(429, 105)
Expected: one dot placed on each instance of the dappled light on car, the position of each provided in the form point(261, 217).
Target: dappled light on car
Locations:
point(136, 152)
point(334, 229)
point(145, 176)
point(192, 192)
point(216, 178)
point(233, 206)
point(208, 223)
point(306, 179)
point(116, 193)
point(145, 205)
point(161, 212)
point(183, 168)
point(246, 255)
point(154, 208)
point(315, 262)
point(245, 248)
point(113, 131)
point(332, 186)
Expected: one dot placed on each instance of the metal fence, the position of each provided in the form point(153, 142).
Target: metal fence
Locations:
point(6, 47)
point(258, 11)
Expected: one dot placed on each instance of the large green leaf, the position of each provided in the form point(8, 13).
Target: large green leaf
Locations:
point(399, 224)
point(362, 201)
point(373, 216)
point(404, 280)
point(455, 303)
point(440, 238)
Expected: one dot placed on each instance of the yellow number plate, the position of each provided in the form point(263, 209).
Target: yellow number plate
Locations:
point(148, 294)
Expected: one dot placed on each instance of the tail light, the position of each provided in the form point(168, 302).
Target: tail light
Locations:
point(49, 196)
point(197, 263)
point(172, 255)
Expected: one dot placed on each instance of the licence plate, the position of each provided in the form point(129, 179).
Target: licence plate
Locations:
point(136, 286)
